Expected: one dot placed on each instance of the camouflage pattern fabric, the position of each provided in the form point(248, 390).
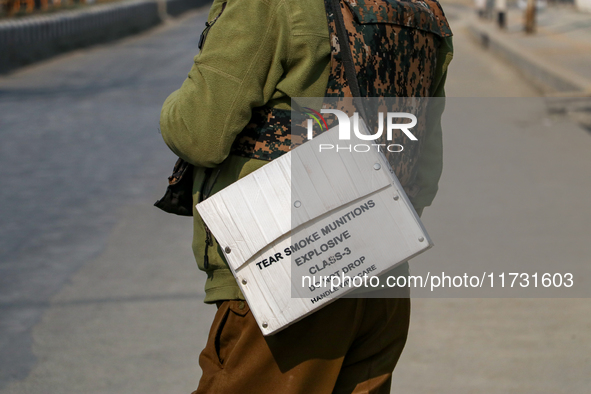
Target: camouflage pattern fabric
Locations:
point(266, 137)
point(394, 46)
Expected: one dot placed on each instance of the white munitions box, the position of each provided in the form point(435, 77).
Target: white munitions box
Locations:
point(291, 228)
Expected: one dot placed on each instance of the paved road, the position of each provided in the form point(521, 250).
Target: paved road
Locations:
point(81, 164)
point(99, 292)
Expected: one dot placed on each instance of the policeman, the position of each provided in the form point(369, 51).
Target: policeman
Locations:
point(231, 116)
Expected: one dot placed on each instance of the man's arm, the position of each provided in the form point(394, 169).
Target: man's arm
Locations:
point(431, 160)
point(239, 66)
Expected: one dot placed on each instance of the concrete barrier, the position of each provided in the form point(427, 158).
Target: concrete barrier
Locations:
point(26, 40)
point(177, 7)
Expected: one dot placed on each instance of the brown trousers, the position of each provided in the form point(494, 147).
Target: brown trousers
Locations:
point(349, 346)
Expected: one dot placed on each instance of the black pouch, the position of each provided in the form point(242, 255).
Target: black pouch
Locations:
point(178, 198)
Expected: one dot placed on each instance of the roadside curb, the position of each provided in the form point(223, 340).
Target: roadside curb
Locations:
point(27, 40)
point(551, 79)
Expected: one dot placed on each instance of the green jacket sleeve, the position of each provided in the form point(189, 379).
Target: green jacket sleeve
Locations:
point(430, 163)
point(240, 64)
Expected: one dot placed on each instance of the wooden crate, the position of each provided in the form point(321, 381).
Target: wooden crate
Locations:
point(312, 213)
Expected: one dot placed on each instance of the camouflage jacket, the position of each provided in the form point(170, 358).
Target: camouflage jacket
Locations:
point(394, 45)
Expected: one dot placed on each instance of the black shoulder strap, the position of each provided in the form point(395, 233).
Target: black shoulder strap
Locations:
point(348, 58)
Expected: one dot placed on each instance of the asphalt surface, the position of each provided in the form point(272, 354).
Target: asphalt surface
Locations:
point(80, 153)
point(99, 292)
point(512, 195)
